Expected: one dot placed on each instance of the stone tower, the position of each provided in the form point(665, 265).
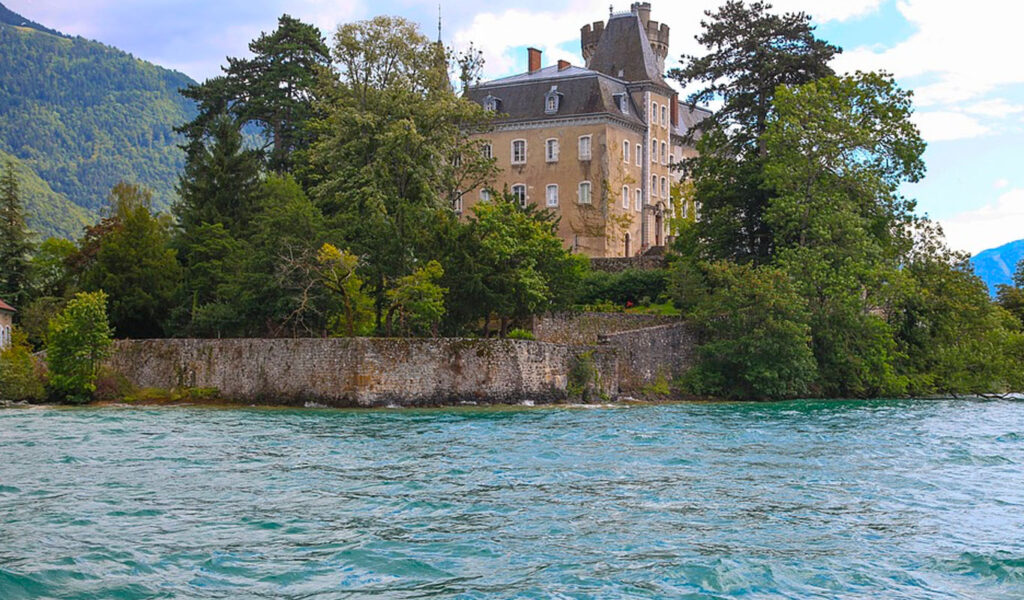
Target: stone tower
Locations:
point(657, 34)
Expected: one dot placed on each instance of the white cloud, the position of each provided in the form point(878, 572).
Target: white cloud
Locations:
point(940, 126)
point(963, 48)
point(1001, 183)
point(990, 226)
point(996, 107)
point(497, 33)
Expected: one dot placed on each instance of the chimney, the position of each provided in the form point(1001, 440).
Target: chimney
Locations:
point(563, 65)
point(643, 9)
point(534, 59)
point(675, 110)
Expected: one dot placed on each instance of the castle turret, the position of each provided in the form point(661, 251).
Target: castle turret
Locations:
point(657, 34)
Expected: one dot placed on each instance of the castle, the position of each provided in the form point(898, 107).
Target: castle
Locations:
point(594, 144)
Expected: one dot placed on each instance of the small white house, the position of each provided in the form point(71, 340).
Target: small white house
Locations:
point(6, 324)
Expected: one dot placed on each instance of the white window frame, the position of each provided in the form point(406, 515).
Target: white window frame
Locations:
point(639, 155)
point(551, 201)
point(654, 113)
point(457, 204)
point(625, 197)
point(551, 150)
point(589, 154)
point(485, 195)
point(522, 161)
point(664, 115)
point(625, 151)
point(664, 187)
point(488, 150)
point(664, 153)
point(579, 193)
point(522, 201)
point(639, 199)
point(654, 151)
point(654, 186)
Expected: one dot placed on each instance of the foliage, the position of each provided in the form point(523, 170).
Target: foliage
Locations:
point(583, 381)
point(629, 287)
point(751, 53)
point(79, 340)
point(21, 378)
point(15, 243)
point(393, 148)
point(338, 272)
point(275, 89)
point(995, 266)
point(416, 301)
point(520, 334)
point(83, 116)
point(755, 340)
point(132, 262)
point(47, 213)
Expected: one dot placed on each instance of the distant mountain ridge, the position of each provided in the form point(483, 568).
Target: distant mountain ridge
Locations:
point(79, 116)
point(997, 265)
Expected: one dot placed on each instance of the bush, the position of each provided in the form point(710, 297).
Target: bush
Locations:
point(630, 286)
point(79, 341)
point(21, 376)
point(520, 334)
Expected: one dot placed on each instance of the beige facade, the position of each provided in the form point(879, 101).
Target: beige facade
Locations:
point(596, 144)
point(6, 326)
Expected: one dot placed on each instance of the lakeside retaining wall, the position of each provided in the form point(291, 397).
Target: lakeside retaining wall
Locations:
point(363, 371)
point(648, 355)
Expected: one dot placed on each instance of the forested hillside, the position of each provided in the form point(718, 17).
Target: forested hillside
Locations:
point(83, 116)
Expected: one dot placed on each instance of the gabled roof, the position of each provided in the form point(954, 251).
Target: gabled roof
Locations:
point(582, 92)
point(625, 51)
point(6, 307)
point(690, 118)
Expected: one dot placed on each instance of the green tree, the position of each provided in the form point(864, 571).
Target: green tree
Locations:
point(20, 376)
point(134, 264)
point(15, 241)
point(338, 272)
point(78, 343)
point(1011, 297)
point(754, 337)
point(275, 89)
point(221, 181)
point(416, 302)
point(393, 148)
point(751, 52)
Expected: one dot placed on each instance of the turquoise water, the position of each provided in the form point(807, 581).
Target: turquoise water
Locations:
point(841, 500)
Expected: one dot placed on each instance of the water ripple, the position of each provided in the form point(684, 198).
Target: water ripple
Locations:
point(887, 499)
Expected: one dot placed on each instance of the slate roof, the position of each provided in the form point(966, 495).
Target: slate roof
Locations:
point(6, 307)
point(583, 92)
point(689, 118)
point(625, 51)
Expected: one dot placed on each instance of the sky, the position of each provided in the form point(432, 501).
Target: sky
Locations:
point(962, 60)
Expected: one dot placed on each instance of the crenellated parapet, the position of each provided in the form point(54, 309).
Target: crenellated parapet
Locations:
point(657, 33)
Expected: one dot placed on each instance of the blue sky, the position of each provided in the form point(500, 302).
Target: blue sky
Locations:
point(961, 59)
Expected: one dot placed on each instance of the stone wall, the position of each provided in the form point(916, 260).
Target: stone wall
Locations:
point(362, 371)
point(582, 329)
point(645, 355)
point(616, 265)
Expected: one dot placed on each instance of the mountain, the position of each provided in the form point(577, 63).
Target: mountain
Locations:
point(80, 116)
point(997, 265)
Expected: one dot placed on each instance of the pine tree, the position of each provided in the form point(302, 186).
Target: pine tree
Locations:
point(15, 241)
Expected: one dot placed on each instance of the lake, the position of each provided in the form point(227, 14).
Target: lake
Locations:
point(879, 499)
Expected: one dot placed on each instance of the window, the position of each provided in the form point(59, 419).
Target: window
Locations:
point(625, 197)
point(654, 185)
point(519, 152)
point(585, 147)
point(664, 153)
point(664, 116)
point(485, 195)
point(457, 203)
point(639, 199)
point(552, 100)
point(584, 192)
point(492, 103)
point(671, 159)
point(519, 192)
point(457, 161)
point(654, 112)
point(654, 151)
point(664, 187)
point(487, 150)
point(551, 150)
point(552, 195)
point(639, 154)
point(625, 152)
point(622, 101)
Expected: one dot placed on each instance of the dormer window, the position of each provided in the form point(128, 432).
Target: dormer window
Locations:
point(552, 100)
point(622, 101)
point(492, 103)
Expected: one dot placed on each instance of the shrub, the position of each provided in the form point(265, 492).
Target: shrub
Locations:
point(21, 375)
point(79, 340)
point(520, 334)
point(633, 285)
